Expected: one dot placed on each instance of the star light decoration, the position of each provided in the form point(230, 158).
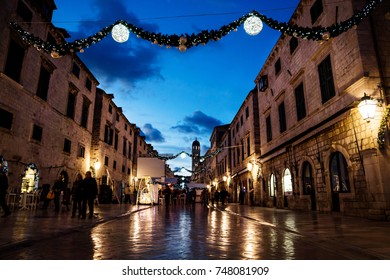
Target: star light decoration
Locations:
point(252, 21)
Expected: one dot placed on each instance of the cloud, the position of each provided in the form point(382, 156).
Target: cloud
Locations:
point(198, 123)
point(114, 63)
point(152, 134)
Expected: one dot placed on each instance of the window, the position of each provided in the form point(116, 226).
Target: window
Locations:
point(85, 112)
point(269, 128)
point(272, 185)
point(67, 145)
point(88, 84)
point(307, 178)
point(242, 150)
point(6, 119)
point(246, 112)
point(106, 160)
point(124, 146)
point(242, 120)
point(76, 70)
point(248, 146)
point(81, 151)
point(300, 102)
point(237, 126)
point(293, 44)
point(128, 171)
point(70, 110)
point(108, 134)
point(278, 66)
point(37, 133)
point(24, 12)
point(282, 118)
point(123, 168)
point(316, 10)
point(117, 117)
point(114, 165)
point(326, 79)
point(43, 83)
point(126, 127)
point(116, 140)
point(339, 173)
point(129, 152)
point(110, 109)
point(13, 66)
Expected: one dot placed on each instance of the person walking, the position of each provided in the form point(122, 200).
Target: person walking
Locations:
point(76, 195)
point(127, 194)
point(89, 186)
point(58, 187)
point(3, 187)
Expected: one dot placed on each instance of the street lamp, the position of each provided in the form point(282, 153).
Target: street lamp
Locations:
point(97, 165)
point(367, 107)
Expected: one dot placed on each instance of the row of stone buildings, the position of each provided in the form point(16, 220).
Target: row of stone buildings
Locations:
point(298, 140)
point(54, 120)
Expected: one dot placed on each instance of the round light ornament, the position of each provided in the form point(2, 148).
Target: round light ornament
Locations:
point(253, 25)
point(120, 33)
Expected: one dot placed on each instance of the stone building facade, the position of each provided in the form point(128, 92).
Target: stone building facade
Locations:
point(46, 104)
point(53, 119)
point(316, 152)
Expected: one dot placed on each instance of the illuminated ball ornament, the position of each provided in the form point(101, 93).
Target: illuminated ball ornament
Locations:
point(253, 25)
point(120, 33)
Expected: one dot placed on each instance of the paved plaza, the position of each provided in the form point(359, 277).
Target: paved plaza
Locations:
point(191, 232)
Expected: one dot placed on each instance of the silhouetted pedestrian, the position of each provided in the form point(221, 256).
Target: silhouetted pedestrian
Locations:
point(89, 186)
point(77, 195)
point(3, 187)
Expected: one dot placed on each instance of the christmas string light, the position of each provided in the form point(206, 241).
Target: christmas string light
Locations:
point(252, 23)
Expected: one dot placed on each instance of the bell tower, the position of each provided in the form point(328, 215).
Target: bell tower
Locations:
point(195, 154)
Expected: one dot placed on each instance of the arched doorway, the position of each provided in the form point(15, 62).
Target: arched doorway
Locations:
point(308, 184)
point(272, 188)
point(339, 179)
point(287, 186)
point(30, 178)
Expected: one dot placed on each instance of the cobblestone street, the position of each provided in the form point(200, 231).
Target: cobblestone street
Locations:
point(234, 232)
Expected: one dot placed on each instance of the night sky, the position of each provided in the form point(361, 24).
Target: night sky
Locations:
point(174, 97)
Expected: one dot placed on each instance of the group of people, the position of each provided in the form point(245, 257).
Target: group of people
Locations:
point(83, 193)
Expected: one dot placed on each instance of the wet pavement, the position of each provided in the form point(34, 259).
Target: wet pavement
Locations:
point(185, 232)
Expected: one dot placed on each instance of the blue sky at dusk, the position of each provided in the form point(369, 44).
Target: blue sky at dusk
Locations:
point(173, 96)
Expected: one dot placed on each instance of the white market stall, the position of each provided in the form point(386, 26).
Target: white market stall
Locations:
point(149, 170)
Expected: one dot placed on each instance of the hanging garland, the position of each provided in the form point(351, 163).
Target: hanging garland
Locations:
point(252, 23)
point(382, 128)
point(183, 155)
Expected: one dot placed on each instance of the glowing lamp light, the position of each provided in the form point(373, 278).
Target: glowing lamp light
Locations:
point(367, 107)
point(249, 166)
point(224, 178)
point(96, 165)
point(253, 25)
point(120, 33)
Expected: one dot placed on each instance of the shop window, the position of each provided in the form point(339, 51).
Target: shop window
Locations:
point(307, 178)
point(6, 119)
point(326, 79)
point(287, 182)
point(37, 133)
point(282, 118)
point(15, 57)
point(339, 173)
point(272, 186)
point(300, 102)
